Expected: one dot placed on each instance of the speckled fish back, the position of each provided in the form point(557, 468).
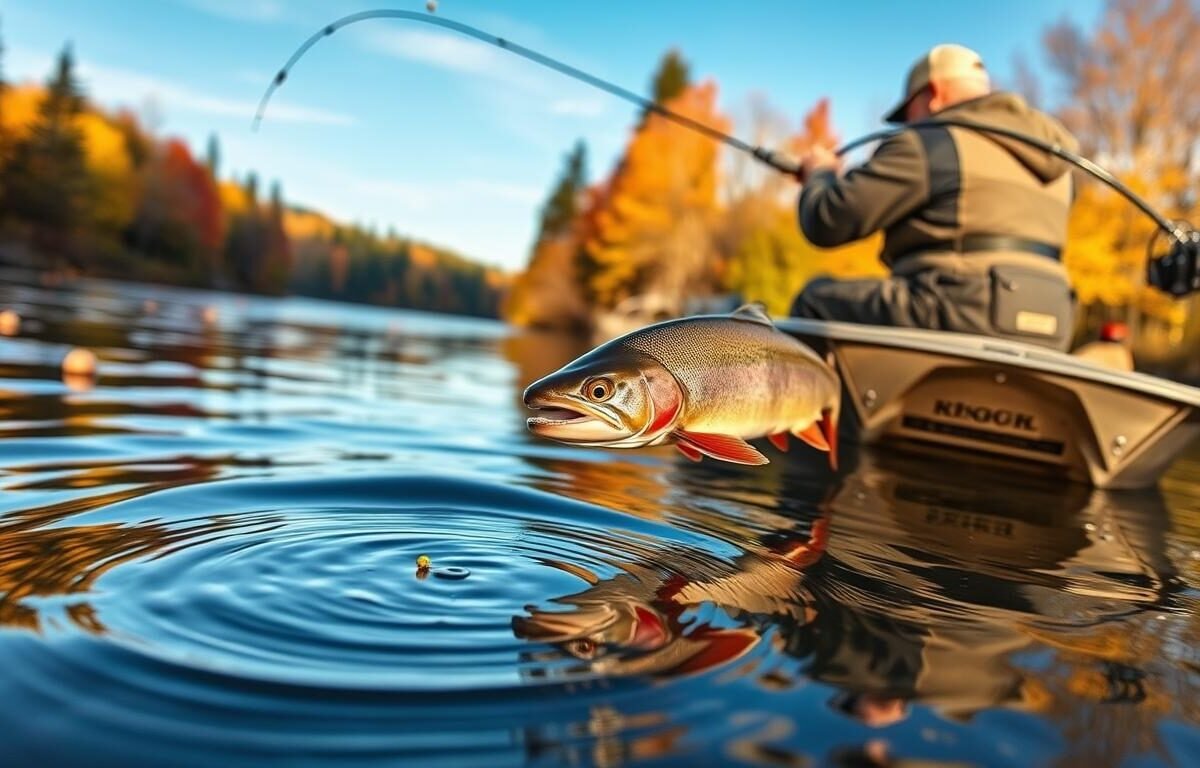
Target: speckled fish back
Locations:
point(740, 377)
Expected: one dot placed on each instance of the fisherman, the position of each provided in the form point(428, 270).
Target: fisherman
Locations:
point(973, 223)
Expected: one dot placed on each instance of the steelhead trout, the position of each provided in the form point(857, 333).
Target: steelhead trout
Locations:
point(708, 384)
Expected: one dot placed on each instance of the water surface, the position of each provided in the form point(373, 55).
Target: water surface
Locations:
point(207, 557)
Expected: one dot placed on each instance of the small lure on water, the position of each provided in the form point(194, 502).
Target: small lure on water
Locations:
point(453, 573)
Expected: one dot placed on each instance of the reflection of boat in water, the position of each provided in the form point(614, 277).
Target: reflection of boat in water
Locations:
point(918, 590)
point(1027, 406)
point(930, 588)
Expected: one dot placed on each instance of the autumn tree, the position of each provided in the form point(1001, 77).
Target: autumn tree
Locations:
point(654, 223)
point(549, 293)
point(114, 183)
point(562, 207)
point(48, 185)
point(179, 215)
point(1127, 94)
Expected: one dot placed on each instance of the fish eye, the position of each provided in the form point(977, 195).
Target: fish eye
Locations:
point(598, 389)
point(583, 648)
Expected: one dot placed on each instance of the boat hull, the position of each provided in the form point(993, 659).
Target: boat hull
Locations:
point(1023, 406)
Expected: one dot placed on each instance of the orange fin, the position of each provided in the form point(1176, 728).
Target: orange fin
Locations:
point(804, 555)
point(723, 447)
point(689, 451)
point(829, 429)
point(813, 435)
point(779, 440)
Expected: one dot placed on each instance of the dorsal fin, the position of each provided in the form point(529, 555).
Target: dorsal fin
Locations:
point(755, 312)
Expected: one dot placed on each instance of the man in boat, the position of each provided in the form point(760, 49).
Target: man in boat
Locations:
point(973, 223)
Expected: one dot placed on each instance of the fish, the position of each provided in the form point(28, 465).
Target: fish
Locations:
point(706, 384)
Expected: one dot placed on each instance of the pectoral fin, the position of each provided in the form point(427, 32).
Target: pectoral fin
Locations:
point(813, 435)
point(689, 451)
point(723, 447)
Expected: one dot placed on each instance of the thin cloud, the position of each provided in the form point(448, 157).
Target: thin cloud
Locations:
point(113, 82)
point(549, 92)
point(455, 54)
point(125, 87)
point(240, 10)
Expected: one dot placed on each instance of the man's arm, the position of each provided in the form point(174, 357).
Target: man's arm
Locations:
point(888, 187)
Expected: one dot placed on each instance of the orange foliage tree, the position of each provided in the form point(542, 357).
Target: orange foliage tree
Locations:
point(654, 220)
point(179, 215)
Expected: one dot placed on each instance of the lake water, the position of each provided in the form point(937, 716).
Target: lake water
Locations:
point(208, 558)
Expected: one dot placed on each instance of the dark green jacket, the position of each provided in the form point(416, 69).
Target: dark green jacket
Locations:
point(926, 187)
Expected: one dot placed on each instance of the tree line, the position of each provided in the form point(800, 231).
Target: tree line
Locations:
point(84, 191)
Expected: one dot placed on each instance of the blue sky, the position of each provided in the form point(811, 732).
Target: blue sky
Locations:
point(398, 124)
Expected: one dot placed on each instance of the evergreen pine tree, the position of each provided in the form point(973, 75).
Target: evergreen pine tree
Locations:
point(277, 259)
point(48, 181)
point(561, 208)
point(672, 78)
point(212, 155)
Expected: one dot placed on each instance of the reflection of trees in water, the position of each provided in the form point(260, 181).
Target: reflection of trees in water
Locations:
point(40, 557)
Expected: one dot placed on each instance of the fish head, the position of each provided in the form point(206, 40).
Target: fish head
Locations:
point(592, 632)
point(613, 397)
point(623, 638)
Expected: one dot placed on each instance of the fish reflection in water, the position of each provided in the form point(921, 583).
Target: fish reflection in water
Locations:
point(634, 622)
point(905, 590)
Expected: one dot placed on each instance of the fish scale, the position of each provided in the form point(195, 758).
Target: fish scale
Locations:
point(741, 377)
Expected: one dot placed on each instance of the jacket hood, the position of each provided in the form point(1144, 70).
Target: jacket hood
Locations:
point(1008, 110)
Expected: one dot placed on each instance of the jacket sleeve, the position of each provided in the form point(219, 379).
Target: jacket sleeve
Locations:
point(874, 196)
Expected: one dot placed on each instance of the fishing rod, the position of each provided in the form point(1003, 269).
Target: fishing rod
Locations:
point(767, 156)
point(1177, 272)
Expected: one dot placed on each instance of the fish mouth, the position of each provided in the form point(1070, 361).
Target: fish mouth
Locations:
point(556, 415)
point(568, 421)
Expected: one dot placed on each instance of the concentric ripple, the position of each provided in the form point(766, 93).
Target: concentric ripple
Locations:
point(330, 594)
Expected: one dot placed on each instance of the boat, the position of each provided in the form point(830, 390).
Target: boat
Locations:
point(1022, 406)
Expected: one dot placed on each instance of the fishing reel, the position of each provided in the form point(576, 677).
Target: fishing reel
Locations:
point(1177, 272)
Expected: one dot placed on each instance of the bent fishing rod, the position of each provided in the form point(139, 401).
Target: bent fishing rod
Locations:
point(1177, 272)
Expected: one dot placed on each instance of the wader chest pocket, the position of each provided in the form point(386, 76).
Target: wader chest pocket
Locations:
point(1026, 302)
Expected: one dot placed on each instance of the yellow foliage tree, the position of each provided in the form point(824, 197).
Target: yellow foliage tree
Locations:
point(1128, 85)
point(653, 226)
point(111, 170)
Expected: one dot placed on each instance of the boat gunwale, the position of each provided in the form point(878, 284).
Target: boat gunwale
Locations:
point(988, 349)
